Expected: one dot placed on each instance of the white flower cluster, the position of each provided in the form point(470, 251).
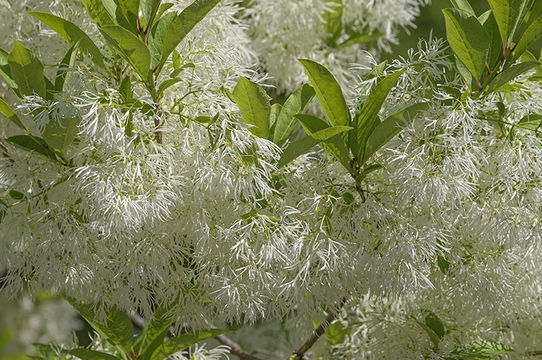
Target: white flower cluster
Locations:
point(451, 223)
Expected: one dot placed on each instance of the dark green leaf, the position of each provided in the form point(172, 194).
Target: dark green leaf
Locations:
point(87, 354)
point(328, 136)
point(157, 36)
point(367, 118)
point(510, 74)
point(529, 37)
point(253, 103)
point(32, 144)
point(10, 114)
point(148, 9)
point(26, 70)
point(495, 44)
point(443, 264)
point(71, 33)
point(130, 11)
point(117, 326)
point(434, 322)
point(182, 342)
point(131, 47)
point(435, 339)
point(295, 104)
point(5, 72)
point(328, 92)
point(468, 40)
point(184, 23)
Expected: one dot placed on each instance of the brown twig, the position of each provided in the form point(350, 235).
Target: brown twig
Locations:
point(236, 349)
point(299, 354)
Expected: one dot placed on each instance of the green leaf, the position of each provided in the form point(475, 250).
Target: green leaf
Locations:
point(332, 143)
point(5, 72)
point(336, 333)
point(328, 92)
point(463, 5)
point(71, 33)
point(162, 9)
point(60, 133)
point(435, 339)
point(387, 129)
point(274, 113)
point(130, 10)
point(253, 103)
point(184, 23)
point(295, 104)
point(530, 122)
point(87, 354)
point(168, 83)
point(157, 36)
point(98, 12)
point(131, 47)
point(510, 74)
point(117, 326)
point(443, 264)
point(154, 332)
point(434, 322)
point(506, 14)
point(182, 342)
point(148, 10)
point(26, 70)
point(529, 37)
point(332, 17)
point(468, 40)
point(297, 148)
point(10, 114)
point(359, 39)
point(482, 349)
point(63, 69)
point(5, 338)
point(32, 144)
point(368, 115)
point(495, 44)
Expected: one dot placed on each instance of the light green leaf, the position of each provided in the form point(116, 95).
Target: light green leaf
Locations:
point(359, 39)
point(60, 133)
point(531, 35)
point(184, 23)
point(482, 349)
point(168, 83)
point(387, 129)
point(463, 5)
point(253, 103)
point(468, 40)
point(32, 144)
point(63, 69)
point(98, 12)
point(273, 116)
point(131, 47)
point(10, 114)
point(154, 332)
point(510, 74)
point(328, 92)
point(130, 10)
point(295, 104)
point(117, 327)
point(531, 122)
point(435, 339)
point(5, 72)
point(148, 10)
point(336, 333)
point(71, 33)
point(26, 71)
point(332, 17)
point(162, 9)
point(182, 342)
point(368, 115)
point(87, 354)
point(506, 14)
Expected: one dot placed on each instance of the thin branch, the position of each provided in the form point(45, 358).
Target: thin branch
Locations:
point(299, 354)
point(137, 320)
point(236, 349)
